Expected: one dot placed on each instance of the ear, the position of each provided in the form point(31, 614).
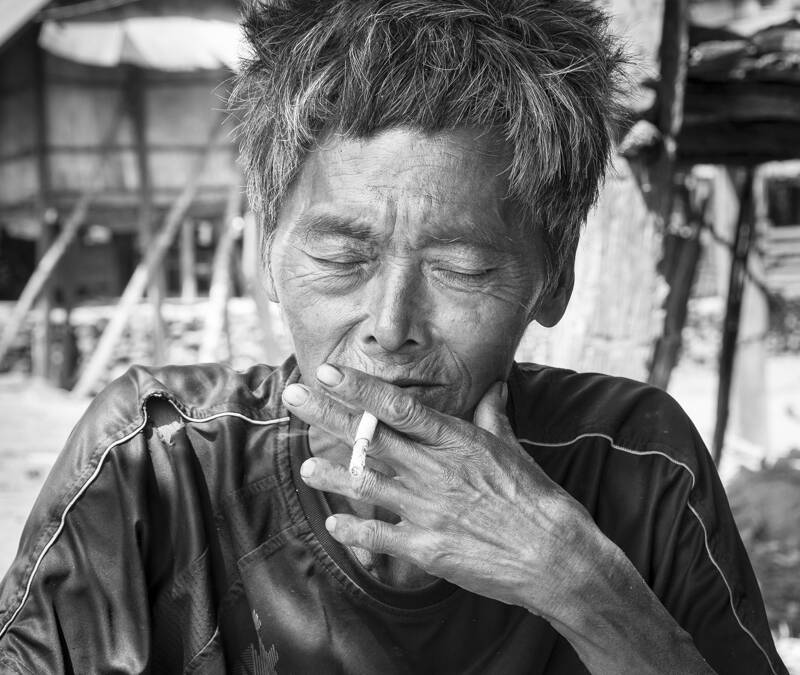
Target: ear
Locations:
point(269, 285)
point(551, 307)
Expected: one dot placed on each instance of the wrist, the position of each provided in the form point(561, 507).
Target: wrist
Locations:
point(614, 621)
point(587, 567)
point(569, 569)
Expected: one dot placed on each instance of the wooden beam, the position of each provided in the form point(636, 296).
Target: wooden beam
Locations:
point(96, 366)
point(739, 143)
point(733, 306)
point(49, 261)
point(711, 102)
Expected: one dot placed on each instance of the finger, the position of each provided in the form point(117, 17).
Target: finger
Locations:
point(320, 410)
point(387, 402)
point(373, 535)
point(371, 487)
point(490, 413)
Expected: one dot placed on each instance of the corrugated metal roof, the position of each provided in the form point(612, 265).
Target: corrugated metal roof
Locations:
point(14, 14)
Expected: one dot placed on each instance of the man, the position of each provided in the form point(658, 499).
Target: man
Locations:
point(422, 171)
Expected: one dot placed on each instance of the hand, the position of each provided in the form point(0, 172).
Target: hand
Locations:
point(475, 508)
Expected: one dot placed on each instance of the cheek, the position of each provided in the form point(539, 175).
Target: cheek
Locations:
point(483, 341)
point(485, 329)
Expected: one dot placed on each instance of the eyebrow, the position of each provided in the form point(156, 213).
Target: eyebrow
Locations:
point(319, 225)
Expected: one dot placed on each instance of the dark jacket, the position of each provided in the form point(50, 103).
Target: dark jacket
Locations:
point(173, 535)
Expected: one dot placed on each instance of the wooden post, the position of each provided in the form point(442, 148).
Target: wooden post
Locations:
point(48, 262)
point(682, 254)
point(187, 261)
point(144, 272)
point(41, 344)
point(749, 401)
point(673, 55)
point(733, 306)
point(219, 291)
point(155, 290)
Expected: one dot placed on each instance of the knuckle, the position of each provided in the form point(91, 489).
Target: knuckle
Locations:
point(366, 485)
point(404, 410)
point(326, 407)
point(372, 535)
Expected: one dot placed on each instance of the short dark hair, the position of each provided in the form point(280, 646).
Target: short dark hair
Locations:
point(543, 73)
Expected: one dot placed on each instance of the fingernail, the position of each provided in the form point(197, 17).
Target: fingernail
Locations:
point(307, 468)
point(504, 392)
point(329, 375)
point(330, 523)
point(295, 394)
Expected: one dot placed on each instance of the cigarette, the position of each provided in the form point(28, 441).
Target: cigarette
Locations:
point(364, 434)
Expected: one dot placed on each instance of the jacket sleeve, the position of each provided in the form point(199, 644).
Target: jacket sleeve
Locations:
point(703, 576)
point(76, 599)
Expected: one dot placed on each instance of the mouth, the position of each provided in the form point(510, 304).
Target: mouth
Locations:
point(409, 384)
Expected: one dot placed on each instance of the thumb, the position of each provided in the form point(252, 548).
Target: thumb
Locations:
point(490, 413)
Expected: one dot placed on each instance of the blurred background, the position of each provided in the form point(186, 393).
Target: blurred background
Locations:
point(125, 236)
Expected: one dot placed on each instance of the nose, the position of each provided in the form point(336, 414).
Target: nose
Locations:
point(398, 316)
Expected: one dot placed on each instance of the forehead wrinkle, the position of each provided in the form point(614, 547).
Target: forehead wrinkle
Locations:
point(469, 233)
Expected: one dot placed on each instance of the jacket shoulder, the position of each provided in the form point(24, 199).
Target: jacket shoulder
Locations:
point(556, 405)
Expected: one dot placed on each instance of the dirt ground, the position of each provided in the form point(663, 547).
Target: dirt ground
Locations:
point(35, 420)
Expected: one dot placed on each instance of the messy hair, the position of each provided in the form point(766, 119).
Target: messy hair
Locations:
point(544, 74)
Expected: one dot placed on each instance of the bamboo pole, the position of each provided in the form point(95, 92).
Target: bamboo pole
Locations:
point(144, 272)
point(49, 261)
point(733, 308)
point(219, 292)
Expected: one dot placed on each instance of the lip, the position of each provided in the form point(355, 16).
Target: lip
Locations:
point(408, 384)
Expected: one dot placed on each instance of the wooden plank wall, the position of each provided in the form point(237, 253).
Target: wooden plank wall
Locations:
point(80, 104)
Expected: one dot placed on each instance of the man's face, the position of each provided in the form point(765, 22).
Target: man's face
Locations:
point(400, 255)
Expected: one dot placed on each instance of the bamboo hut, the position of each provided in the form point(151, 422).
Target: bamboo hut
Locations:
point(105, 108)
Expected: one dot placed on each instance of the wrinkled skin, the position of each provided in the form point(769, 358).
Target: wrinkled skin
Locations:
point(407, 281)
point(401, 256)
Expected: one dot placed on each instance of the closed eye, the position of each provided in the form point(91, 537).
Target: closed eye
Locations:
point(342, 263)
point(461, 276)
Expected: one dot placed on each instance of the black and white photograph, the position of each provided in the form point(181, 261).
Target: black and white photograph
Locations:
point(400, 337)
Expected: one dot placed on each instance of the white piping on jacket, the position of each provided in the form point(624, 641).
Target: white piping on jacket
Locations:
point(93, 477)
point(689, 506)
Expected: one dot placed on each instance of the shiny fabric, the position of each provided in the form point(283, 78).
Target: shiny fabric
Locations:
point(174, 535)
